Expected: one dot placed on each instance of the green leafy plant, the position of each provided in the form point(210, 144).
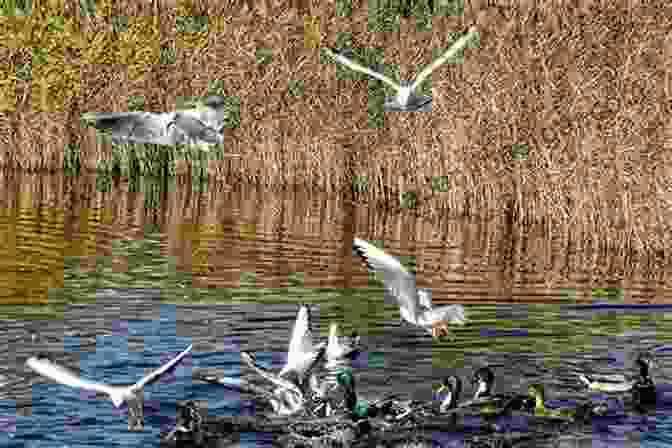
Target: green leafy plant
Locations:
point(360, 184)
point(264, 56)
point(519, 151)
point(440, 184)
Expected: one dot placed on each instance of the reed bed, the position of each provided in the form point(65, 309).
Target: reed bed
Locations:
point(559, 116)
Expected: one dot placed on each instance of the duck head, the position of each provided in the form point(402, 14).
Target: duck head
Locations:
point(346, 381)
point(449, 393)
point(644, 389)
point(644, 365)
point(537, 392)
point(484, 379)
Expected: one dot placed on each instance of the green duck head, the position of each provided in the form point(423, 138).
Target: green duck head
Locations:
point(537, 392)
point(346, 380)
point(448, 394)
point(484, 379)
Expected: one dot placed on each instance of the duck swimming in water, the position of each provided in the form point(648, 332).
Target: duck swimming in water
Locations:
point(484, 379)
point(642, 387)
point(415, 305)
point(339, 354)
point(583, 411)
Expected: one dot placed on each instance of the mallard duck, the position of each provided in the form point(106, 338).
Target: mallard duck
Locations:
point(487, 401)
point(339, 354)
point(192, 429)
point(415, 305)
point(407, 98)
point(581, 411)
point(132, 395)
point(642, 387)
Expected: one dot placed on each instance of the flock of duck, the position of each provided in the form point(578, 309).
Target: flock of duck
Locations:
point(312, 400)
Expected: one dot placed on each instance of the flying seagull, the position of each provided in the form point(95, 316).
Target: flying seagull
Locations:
point(407, 99)
point(132, 395)
point(201, 126)
point(415, 305)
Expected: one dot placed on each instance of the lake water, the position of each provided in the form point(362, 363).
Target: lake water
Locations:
point(116, 277)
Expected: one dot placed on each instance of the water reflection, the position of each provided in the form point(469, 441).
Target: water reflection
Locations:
point(245, 237)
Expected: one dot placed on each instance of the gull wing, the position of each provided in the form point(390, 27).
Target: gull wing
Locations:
point(237, 384)
point(452, 313)
point(360, 68)
point(196, 129)
point(397, 280)
point(250, 360)
point(51, 370)
point(140, 127)
point(452, 51)
point(156, 374)
point(302, 354)
point(340, 347)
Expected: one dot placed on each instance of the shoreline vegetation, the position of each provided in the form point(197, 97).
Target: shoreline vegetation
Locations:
point(558, 115)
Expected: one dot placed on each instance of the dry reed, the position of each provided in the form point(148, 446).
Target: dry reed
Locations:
point(585, 86)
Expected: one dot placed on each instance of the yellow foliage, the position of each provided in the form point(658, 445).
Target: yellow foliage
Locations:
point(311, 32)
point(7, 87)
point(138, 47)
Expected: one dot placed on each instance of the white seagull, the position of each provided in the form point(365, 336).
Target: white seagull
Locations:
point(302, 354)
point(407, 99)
point(201, 126)
point(291, 386)
point(132, 395)
point(415, 305)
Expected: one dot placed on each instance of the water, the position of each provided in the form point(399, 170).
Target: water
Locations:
point(114, 282)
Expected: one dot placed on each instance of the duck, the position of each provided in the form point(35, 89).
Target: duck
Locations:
point(487, 401)
point(407, 98)
point(201, 126)
point(583, 411)
point(192, 429)
point(339, 354)
point(415, 305)
point(131, 395)
point(642, 387)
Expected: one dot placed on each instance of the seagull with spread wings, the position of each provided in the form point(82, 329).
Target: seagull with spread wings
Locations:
point(407, 98)
point(415, 305)
point(132, 395)
point(201, 126)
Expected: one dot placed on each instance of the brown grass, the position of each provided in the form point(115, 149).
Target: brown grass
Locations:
point(585, 85)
